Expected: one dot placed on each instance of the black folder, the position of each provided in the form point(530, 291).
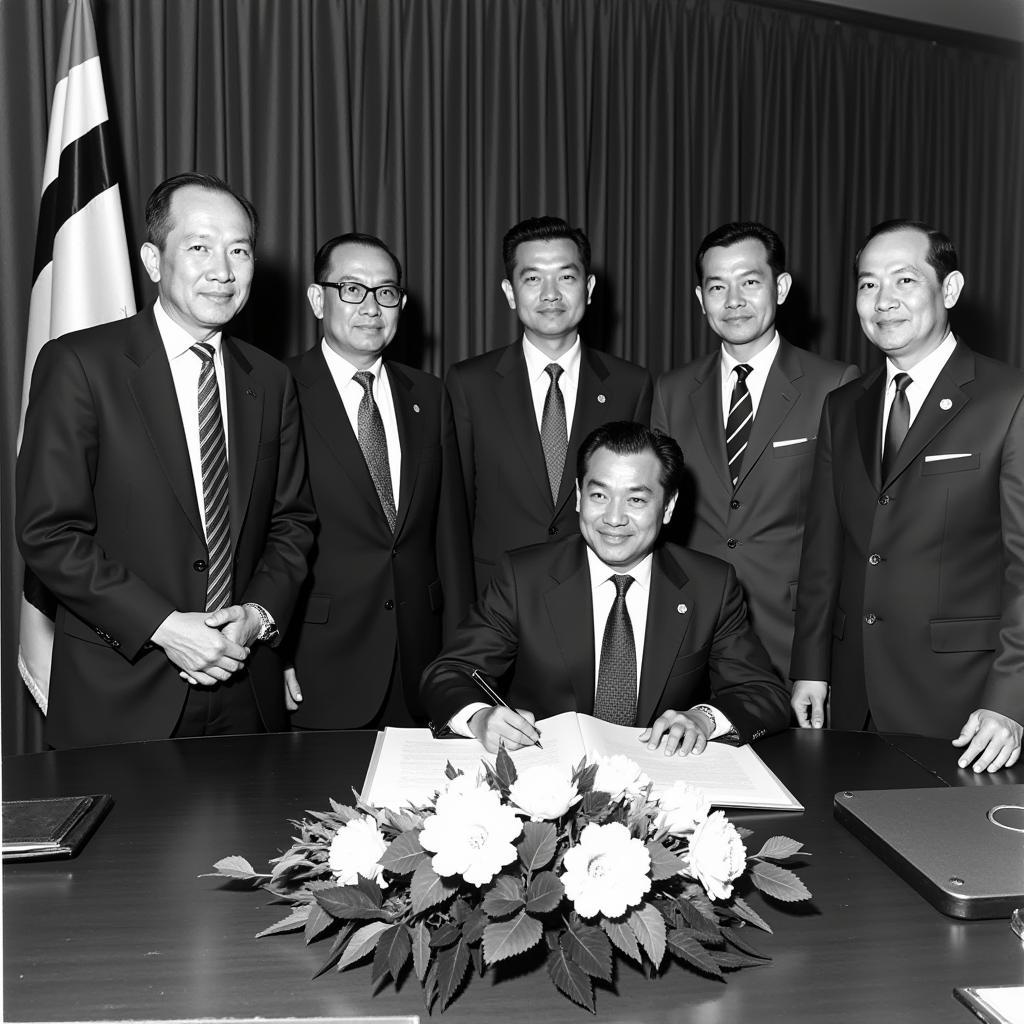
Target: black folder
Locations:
point(961, 847)
point(51, 827)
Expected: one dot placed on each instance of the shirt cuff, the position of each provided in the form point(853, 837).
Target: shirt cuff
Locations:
point(722, 725)
point(459, 723)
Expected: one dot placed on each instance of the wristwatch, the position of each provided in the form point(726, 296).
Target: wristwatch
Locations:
point(269, 634)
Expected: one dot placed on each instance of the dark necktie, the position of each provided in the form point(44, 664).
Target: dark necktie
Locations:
point(553, 434)
point(737, 424)
point(899, 423)
point(615, 700)
point(375, 446)
point(213, 452)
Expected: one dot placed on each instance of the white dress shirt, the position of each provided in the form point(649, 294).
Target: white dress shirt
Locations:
point(540, 380)
point(922, 377)
point(756, 379)
point(351, 392)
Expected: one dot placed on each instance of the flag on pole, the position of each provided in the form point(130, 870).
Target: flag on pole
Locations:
point(82, 275)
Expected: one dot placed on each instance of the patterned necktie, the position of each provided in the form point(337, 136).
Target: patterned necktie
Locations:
point(554, 436)
point(615, 700)
point(737, 425)
point(213, 452)
point(899, 423)
point(375, 446)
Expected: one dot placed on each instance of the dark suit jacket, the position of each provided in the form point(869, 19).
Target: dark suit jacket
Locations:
point(503, 464)
point(536, 618)
point(108, 519)
point(371, 590)
point(757, 529)
point(911, 598)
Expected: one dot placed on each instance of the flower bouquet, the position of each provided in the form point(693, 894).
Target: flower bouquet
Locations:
point(581, 866)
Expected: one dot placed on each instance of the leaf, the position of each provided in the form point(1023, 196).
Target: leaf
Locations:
point(746, 912)
point(731, 934)
point(504, 897)
point(451, 969)
point(473, 926)
point(292, 923)
point(404, 854)
point(336, 946)
point(446, 934)
point(362, 942)
point(689, 950)
point(427, 888)
point(403, 820)
point(779, 848)
point(590, 948)
point(544, 893)
point(504, 768)
point(289, 861)
point(735, 961)
point(236, 867)
point(503, 939)
point(421, 952)
point(695, 919)
point(664, 863)
point(779, 883)
point(393, 949)
point(584, 777)
point(595, 802)
point(649, 928)
point(538, 844)
point(350, 902)
point(623, 938)
point(570, 979)
point(317, 923)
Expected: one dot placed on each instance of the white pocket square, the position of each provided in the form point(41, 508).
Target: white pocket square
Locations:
point(943, 458)
point(796, 440)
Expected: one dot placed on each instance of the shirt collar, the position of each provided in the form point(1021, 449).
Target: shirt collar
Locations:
point(176, 339)
point(927, 370)
point(600, 572)
point(760, 364)
point(536, 361)
point(342, 369)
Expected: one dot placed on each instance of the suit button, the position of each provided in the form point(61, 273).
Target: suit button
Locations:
point(394, 552)
point(389, 605)
point(884, 499)
point(199, 565)
point(870, 619)
point(874, 559)
point(731, 542)
point(552, 530)
point(734, 504)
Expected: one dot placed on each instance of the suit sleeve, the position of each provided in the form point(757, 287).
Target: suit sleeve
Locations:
point(56, 517)
point(1004, 688)
point(487, 639)
point(820, 564)
point(642, 412)
point(659, 413)
point(464, 438)
point(743, 683)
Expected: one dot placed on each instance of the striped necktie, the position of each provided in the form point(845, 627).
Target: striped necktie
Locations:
point(737, 425)
point(213, 451)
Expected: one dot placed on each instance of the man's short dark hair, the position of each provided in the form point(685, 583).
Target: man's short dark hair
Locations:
point(942, 257)
point(158, 206)
point(542, 229)
point(623, 437)
point(322, 261)
point(739, 231)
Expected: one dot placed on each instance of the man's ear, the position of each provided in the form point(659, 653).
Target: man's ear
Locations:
point(782, 285)
point(151, 260)
point(699, 292)
point(670, 507)
point(591, 281)
point(951, 288)
point(577, 497)
point(510, 295)
point(315, 295)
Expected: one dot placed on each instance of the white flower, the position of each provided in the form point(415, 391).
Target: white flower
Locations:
point(619, 775)
point(464, 784)
point(681, 808)
point(356, 849)
point(471, 835)
point(543, 792)
point(716, 856)
point(607, 871)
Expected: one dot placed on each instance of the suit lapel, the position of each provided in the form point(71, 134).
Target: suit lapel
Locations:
point(868, 413)
point(152, 388)
point(407, 413)
point(707, 414)
point(588, 413)
point(777, 401)
point(245, 420)
point(569, 604)
point(666, 630)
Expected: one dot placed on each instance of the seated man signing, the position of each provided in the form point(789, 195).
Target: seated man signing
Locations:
point(610, 623)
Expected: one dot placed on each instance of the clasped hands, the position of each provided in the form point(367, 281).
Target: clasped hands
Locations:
point(683, 732)
point(993, 741)
point(208, 647)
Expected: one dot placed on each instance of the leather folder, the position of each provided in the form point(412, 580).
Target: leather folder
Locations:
point(51, 827)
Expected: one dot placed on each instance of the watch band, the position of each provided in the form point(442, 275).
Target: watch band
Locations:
point(708, 712)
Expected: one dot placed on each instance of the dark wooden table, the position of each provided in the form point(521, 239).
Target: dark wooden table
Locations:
point(128, 931)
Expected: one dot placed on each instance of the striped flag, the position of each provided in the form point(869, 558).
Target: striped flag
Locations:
point(82, 275)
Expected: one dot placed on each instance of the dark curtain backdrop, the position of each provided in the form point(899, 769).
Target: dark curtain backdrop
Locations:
point(438, 123)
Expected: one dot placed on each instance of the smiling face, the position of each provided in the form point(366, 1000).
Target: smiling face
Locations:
point(902, 304)
point(739, 295)
point(205, 268)
point(622, 506)
point(357, 331)
point(549, 291)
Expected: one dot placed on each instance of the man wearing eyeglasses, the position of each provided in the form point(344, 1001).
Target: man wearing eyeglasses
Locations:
point(390, 572)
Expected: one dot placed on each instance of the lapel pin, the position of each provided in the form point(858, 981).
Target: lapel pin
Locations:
point(601, 399)
point(681, 608)
point(945, 405)
point(250, 393)
point(415, 408)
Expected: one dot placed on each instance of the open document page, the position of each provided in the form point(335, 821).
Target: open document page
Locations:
point(408, 765)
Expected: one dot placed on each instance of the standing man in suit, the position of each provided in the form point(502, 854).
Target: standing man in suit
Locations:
point(162, 495)
point(747, 417)
point(521, 411)
point(911, 599)
point(612, 624)
point(391, 570)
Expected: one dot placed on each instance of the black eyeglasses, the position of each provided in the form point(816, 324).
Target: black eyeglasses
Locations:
point(386, 295)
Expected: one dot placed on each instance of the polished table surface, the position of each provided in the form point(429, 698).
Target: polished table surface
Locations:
point(128, 930)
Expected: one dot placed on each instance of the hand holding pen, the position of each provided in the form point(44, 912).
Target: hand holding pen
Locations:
point(502, 723)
